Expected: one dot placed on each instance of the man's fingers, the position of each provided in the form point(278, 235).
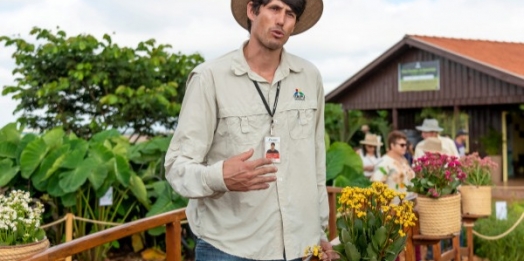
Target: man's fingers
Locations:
point(260, 162)
point(245, 155)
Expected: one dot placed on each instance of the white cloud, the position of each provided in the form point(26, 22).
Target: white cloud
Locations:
point(350, 34)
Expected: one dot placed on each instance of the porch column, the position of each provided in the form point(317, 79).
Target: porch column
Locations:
point(394, 113)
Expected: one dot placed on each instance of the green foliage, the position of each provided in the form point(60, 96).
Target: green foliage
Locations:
point(491, 142)
point(446, 119)
point(85, 85)
point(477, 169)
point(507, 248)
point(344, 166)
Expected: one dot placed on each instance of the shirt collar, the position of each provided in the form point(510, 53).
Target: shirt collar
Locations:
point(239, 66)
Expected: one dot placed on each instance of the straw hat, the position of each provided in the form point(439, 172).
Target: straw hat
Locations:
point(371, 139)
point(429, 125)
point(433, 145)
point(310, 17)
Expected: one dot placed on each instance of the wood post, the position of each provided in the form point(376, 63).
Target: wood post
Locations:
point(174, 241)
point(69, 231)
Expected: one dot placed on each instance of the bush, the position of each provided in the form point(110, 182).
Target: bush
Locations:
point(507, 248)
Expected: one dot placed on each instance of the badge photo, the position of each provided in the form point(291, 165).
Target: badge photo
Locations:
point(272, 148)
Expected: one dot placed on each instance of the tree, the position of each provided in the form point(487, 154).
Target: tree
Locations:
point(85, 85)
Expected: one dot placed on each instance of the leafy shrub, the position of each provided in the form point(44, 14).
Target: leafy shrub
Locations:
point(508, 248)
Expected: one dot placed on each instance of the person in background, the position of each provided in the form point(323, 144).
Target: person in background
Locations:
point(460, 142)
point(409, 153)
point(393, 169)
point(369, 154)
point(430, 128)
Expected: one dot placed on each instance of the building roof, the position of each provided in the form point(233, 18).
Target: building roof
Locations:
point(508, 56)
point(502, 60)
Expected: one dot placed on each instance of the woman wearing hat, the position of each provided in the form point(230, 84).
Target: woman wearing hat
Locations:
point(369, 153)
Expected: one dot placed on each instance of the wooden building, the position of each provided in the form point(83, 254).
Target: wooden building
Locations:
point(484, 79)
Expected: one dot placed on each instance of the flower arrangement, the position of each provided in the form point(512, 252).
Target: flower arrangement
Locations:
point(478, 169)
point(313, 253)
point(370, 226)
point(437, 175)
point(20, 218)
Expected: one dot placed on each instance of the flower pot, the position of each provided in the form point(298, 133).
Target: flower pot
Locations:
point(439, 216)
point(476, 200)
point(21, 252)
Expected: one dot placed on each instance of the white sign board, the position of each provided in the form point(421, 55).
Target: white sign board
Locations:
point(501, 210)
point(107, 199)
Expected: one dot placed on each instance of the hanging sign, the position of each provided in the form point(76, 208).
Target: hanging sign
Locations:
point(419, 76)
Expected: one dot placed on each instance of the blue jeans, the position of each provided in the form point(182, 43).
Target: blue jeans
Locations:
point(206, 252)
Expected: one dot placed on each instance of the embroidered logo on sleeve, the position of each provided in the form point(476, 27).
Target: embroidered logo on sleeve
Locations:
point(298, 95)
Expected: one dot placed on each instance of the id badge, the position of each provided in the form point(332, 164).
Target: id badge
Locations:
point(272, 148)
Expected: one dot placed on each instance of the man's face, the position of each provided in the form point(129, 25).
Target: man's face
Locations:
point(273, 25)
point(426, 134)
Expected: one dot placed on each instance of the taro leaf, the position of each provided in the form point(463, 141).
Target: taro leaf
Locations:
point(104, 135)
point(8, 171)
point(138, 189)
point(10, 133)
point(39, 181)
point(338, 156)
point(73, 159)
point(53, 161)
point(108, 182)
point(8, 149)
point(54, 137)
point(31, 157)
point(351, 252)
point(101, 153)
point(122, 170)
point(68, 200)
point(346, 238)
point(54, 188)
point(98, 176)
point(23, 144)
point(164, 204)
point(349, 177)
point(70, 181)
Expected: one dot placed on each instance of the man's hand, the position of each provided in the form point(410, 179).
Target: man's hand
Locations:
point(241, 174)
point(329, 253)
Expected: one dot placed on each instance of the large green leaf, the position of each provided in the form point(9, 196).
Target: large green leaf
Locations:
point(54, 137)
point(351, 178)
point(163, 204)
point(10, 133)
point(137, 187)
point(23, 143)
point(122, 170)
point(68, 200)
point(8, 171)
point(53, 161)
point(76, 155)
point(31, 156)
point(39, 181)
point(100, 153)
point(104, 135)
point(98, 176)
point(340, 154)
point(70, 181)
point(54, 188)
point(8, 149)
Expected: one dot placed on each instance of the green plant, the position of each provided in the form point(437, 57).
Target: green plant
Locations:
point(437, 175)
point(86, 85)
point(344, 166)
point(507, 248)
point(478, 170)
point(491, 142)
point(370, 226)
point(20, 219)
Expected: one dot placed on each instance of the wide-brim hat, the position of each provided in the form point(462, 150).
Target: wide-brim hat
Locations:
point(371, 139)
point(310, 17)
point(429, 125)
point(432, 144)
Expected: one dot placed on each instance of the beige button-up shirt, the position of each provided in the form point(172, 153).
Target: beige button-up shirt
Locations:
point(448, 147)
point(223, 115)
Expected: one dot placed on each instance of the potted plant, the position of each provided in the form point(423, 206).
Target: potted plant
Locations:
point(20, 233)
point(370, 226)
point(436, 182)
point(476, 191)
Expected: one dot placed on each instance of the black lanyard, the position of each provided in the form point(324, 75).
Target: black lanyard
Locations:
point(265, 102)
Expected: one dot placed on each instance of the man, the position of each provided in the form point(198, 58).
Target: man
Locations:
point(242, 205)
point(460, 142)
point(430, 128)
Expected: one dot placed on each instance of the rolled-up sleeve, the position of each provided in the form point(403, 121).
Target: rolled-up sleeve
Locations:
point(185, 162)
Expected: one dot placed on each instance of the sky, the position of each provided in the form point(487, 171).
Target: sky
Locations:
point(350, 34)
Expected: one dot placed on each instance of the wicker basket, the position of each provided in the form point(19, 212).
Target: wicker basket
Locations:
point(21, 252)
point(476, 200)
point(439, 217)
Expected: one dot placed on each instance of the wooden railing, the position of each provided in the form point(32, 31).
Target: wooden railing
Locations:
point(172, 221)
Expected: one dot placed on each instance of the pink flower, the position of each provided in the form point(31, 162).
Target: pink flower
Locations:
point(433, 192)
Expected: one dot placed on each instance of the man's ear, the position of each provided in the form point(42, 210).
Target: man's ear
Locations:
point(250, 11)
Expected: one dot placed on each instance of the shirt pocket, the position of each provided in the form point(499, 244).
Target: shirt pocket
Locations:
point(301, 121)
point(244, 129)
